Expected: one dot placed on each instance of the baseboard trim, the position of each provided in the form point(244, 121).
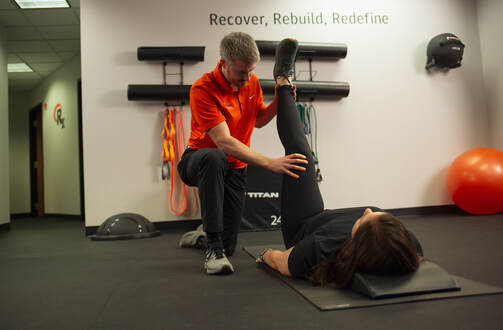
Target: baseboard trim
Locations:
point(46, 215)
point(66, 216)
point(20, 215)
point(5, 226)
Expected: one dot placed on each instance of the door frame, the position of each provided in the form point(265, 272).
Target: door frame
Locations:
point(81, 152)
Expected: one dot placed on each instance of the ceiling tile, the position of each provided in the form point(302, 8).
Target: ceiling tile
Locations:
point(65, 45)
point(13, 18)
point(28, 46)
point(22, 33)
point(67, 56)
point(44, 39)
point(48, 57)
point(52, 17)
point(35, 46)
point(12, 58)
point(61, 32)
point(45, 67)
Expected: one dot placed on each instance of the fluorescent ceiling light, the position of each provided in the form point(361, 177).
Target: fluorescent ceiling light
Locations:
point(18, 67)
point(38, 4)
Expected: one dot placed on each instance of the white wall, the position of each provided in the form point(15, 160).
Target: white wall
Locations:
point(490, 13)
point(61, 153)
point(4, 132)
point(19, 152)
point(389, 143)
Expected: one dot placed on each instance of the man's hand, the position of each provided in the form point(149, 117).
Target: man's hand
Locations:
point(294, 90)
point(231, 146)
point(285, 165)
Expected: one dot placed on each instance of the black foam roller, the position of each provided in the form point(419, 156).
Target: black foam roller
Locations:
point(311, 89)
point(307, 49)
point(171, 53)
point(158, 92)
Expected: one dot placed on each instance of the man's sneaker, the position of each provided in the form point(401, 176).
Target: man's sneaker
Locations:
point(216, 262)
point(195, 238)
point(285, 58)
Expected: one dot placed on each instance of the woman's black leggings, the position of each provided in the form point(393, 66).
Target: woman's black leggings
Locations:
point(300, 198)
point(301, 201)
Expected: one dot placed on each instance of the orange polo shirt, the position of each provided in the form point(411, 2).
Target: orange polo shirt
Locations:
point(213, 100)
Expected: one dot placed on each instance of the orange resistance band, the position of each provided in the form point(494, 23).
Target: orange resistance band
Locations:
point(168, 153)
point(182, 142)
point(174, 144)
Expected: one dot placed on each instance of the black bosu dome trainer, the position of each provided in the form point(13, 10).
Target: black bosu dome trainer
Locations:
point(445, 51)
point(125, 226)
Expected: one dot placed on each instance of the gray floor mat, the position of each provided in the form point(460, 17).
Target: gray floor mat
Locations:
point(326, 298)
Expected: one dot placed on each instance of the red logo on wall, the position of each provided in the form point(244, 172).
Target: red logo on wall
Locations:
point(58, 115)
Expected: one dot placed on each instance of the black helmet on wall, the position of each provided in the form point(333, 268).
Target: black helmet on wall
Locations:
point(445, 51)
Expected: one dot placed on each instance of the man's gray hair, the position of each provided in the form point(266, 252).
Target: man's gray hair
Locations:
point(239, 46)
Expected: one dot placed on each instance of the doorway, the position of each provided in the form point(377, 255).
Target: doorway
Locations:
point(36, 162)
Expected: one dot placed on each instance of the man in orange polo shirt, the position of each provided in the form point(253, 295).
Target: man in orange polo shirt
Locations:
point(226, 104)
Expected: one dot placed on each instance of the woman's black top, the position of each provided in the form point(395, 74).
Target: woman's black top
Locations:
point(316, 243)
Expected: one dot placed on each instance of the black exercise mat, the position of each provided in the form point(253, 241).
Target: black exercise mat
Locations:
point(326, 298)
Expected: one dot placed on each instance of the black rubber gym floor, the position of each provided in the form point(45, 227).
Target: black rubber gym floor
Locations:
point(52, 277)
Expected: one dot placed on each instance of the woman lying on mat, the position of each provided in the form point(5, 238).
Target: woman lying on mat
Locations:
point(328, 246)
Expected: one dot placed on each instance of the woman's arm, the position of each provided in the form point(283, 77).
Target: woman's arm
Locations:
point(276, 259)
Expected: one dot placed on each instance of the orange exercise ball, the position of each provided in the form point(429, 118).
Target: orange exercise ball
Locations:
point(475, 181)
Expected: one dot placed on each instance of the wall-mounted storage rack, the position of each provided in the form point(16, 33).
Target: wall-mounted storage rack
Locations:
point(306, 89)
point(165, 92)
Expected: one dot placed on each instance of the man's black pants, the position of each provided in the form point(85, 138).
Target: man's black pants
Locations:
point(221, 192)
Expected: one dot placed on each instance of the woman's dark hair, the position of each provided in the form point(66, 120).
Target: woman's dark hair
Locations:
point(382, 246)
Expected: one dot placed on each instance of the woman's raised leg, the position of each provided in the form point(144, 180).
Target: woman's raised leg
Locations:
point(300, 198)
